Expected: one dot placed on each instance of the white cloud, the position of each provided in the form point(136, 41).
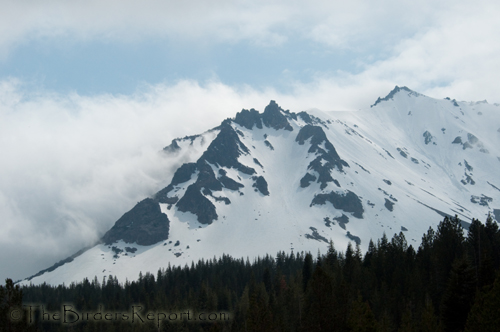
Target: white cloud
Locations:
point(72, 165)
point(335, 23)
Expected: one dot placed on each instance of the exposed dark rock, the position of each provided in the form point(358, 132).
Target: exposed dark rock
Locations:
point(401, 152)
point(183, 173)
point(193, 201)
point(326, 160)
point(306, 180)
point(145, 225)
point(229, 183)
point(173, 147)
point(307, 118)
point(226, 200)
point(348, 202)
point(315, 235)
point(177, 243)
point(496, 213)
point(117, 252)
point(472, 139)
point(342, 220)
point(255, 160)
point(387, 181)
point(225, 150)
point(130, 249)
point(268, 144)
point(364, 169)
point(355, 238)
point(404, 229)
point(389, 205)
point(468, 179)
point(427, 137)
point(328, 222)
point(161, 196)
point(467, 166)
point(273, 118)
point(467, 146)
point(323, 172)
point(391, 94)
point(206, 177)
point(316, 134)
point(248, 119)
point(483, 200)
point(60, 263)
point(385, 192)
point(415, 161)
point(457, 140)
point(388, 153)
point(261, 185)
point(493, 187)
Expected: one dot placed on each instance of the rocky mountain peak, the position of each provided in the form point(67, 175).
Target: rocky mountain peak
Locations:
point(273, 117)
point(144, 225)
point(393, 93)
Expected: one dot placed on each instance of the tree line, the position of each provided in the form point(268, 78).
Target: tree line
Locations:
point(451, 282)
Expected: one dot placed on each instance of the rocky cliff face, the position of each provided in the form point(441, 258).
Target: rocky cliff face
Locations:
point(280, 180)
point(145, 225)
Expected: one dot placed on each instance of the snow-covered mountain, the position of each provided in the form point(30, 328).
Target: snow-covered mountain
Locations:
point(266, 182)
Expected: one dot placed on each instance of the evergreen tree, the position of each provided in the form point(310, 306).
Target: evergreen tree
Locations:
point(361, 318)
point(485, 313)
point(307, 271)
point(458, 297)
point(319, 305)
point(11, 311)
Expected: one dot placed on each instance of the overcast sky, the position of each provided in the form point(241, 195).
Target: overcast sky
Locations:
point(91, 90)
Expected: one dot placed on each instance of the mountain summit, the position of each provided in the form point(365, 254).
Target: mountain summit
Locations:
point(278, 180)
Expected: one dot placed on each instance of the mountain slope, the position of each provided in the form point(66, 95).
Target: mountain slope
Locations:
point(277, 180)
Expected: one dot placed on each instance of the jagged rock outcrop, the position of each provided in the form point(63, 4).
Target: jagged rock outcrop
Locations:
point(145, 224)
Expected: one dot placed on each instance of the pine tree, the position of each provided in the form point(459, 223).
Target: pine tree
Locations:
point(307, 271)
point(319, 304)
point(458, 297)
point(485, 313)
point(11, 313)
point(361, 317)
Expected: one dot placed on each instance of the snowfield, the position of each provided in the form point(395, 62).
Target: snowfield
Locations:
point(403, 164)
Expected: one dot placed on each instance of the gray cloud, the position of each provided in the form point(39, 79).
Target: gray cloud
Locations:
point(72, 165)
point(338, 24)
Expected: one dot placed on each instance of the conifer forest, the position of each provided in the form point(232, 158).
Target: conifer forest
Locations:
point(451, 282)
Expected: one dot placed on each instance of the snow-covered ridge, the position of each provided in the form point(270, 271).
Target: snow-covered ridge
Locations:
point(265, 182)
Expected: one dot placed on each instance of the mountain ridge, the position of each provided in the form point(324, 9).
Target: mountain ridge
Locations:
point(279, 180)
